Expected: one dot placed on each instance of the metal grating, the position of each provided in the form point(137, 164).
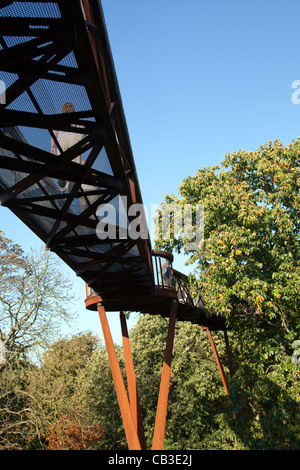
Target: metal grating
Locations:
point(52, 53)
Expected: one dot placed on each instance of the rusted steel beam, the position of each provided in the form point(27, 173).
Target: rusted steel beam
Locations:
point(131, 383)
point(128, 422)
point(22, 52)
point(31, 152)
point(25, 166)
point(111, 255)
point(219, 364)
point(42, 27)
point(87, 167)
point(45, 41)
point(83, 217)
point(69, 122)
point(161, 412)
point(217, 358)
point(58, 51)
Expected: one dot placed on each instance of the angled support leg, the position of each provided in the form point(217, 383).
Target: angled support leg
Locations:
point(161, 413)
point(131, 382)
point(128, 422)
point(220, 367)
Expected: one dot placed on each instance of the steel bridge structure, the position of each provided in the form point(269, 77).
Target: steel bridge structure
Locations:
point(64, 152)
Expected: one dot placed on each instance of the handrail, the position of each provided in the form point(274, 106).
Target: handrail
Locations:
point(163, 271)
point(184, 294)
point(166, 277)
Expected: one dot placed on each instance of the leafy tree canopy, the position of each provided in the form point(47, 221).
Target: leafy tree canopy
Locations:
point(248, 267)
point(248, 270)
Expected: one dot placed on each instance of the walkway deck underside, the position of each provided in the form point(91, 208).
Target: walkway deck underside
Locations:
point(61, 171)
point(159, 303)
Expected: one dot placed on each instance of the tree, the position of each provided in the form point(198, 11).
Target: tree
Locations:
point(41, 406)
point(248, 270)
point(97, 396)
point(53, 388)
point(67, 424)
point(19, 422)
point(35, 298)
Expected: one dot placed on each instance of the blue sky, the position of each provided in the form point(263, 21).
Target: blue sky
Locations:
point(198, 79)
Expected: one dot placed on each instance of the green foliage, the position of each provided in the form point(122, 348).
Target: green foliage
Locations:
point(98, 397)
point(34, 300)
point(248, 270)
point(75, 380)
point(19, 424)
point(54, 385)
point(35, 398)
point(267, 406)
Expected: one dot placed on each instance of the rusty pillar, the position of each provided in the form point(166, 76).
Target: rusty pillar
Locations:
point(128, 422)
point(162, 404)
point(220, 367)
point(131, 383)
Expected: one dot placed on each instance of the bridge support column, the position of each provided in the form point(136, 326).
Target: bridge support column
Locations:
point(161, 413)
point(131, 382)
point(217, 358)
point(219, 364)
point(126, 413)
point(130, 409)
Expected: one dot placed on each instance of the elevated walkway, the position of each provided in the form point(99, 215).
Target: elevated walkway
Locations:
point(66, 161)
point(169, 286)
point(57, 52)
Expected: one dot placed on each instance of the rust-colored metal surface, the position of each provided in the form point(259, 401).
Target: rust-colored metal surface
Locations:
point(52, 54)
point(217, 358)
point(55, 54)
point(65, 160)
point(162, 405)
point(170, 285)
point(131, 383)
point(126, 411)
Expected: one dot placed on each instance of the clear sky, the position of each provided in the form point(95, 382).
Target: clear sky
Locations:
point(198, 79)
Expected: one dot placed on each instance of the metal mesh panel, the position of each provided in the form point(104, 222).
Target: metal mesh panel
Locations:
point(32, 10)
